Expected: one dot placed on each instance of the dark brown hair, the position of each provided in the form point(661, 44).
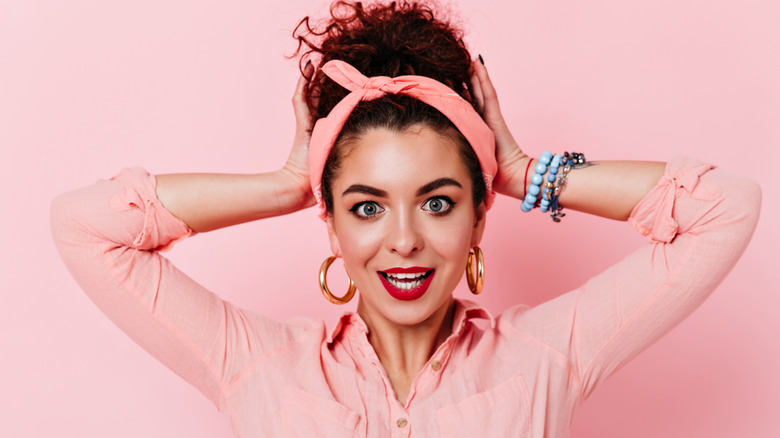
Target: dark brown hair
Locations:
point(399, 38)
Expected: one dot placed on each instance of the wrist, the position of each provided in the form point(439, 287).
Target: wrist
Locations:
point(512, 178)
point(293, 189)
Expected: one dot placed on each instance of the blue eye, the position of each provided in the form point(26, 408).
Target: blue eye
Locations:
point(438, 205)
point(366, 210)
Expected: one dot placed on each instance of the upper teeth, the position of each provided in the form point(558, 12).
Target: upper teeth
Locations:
point(406, 276)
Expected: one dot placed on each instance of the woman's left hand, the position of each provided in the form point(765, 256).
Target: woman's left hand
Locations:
point(512, 161)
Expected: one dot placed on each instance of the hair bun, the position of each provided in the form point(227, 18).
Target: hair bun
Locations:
point(399, 38)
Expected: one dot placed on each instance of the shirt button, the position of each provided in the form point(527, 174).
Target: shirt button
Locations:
point(401, 423)
point(436, 365)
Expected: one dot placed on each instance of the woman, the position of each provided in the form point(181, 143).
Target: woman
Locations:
point(404, 169)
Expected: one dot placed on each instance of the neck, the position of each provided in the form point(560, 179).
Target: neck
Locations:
point(404, 350)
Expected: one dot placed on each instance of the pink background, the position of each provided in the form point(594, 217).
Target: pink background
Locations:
point(88, 87)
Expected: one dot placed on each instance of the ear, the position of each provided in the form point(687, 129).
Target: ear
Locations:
point(334, 240)
point(479, 224)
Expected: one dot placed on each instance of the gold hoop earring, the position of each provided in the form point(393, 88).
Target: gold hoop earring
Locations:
point(475, 285)
point(324, 284)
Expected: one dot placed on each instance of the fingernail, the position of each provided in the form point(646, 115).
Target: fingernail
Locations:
point(482, 61)
point(307, 65)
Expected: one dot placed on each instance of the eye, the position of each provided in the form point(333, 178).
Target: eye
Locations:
point(438, 205)
point(366, 210)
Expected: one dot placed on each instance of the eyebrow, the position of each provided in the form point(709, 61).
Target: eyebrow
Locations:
point(433, 185)
point(360, 188)
point(427, 188)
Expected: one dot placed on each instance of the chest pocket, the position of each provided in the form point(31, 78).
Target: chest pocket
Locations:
point(502, 411)
point(307, 415)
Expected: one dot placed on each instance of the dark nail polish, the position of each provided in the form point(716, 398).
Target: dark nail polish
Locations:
point(482, 61)
point(307, 65)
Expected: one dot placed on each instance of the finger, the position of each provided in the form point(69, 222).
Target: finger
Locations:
point(300, 87)
point(309, 73)
point(491, 109)
point(300, 106)
point(298, 97)
point(476, 90)
point(488, 92)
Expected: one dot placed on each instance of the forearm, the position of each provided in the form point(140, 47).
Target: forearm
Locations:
point(609, 189)
point(207, 202)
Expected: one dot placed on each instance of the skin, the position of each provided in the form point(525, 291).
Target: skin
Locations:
point(403, 334)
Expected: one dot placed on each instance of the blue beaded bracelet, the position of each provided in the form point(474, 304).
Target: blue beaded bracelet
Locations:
point(536, 182)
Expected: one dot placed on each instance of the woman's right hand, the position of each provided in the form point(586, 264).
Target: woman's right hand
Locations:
point(207, 202)
point(297, 166)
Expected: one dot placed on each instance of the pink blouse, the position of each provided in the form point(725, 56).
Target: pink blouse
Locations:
point(523, 373)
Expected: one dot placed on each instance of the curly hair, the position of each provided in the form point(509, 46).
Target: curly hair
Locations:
point(394, 39)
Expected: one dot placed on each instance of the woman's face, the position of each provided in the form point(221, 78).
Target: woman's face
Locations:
point(404, 221)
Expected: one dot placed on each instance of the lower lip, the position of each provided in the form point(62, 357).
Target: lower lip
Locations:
point(407, 294)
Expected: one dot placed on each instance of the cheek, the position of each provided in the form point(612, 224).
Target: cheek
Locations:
point(358, 243)
point(450, 241)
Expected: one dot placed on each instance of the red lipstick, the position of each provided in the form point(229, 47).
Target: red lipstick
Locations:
point(406, 284)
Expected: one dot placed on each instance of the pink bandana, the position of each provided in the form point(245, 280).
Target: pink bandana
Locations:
point(424, 89)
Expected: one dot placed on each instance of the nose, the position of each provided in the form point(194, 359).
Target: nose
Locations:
point(404, 236)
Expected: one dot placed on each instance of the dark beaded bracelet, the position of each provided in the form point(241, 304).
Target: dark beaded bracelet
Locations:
point(571, 160)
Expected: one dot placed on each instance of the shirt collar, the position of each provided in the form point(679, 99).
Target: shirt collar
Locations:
point(465, 311)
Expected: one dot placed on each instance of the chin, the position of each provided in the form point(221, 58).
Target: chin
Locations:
point(405, 313)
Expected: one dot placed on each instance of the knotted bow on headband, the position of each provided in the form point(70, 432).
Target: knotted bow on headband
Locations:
point(424, 89)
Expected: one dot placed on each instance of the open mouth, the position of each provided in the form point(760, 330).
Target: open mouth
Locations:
point(406, 284)
point(406, 281)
